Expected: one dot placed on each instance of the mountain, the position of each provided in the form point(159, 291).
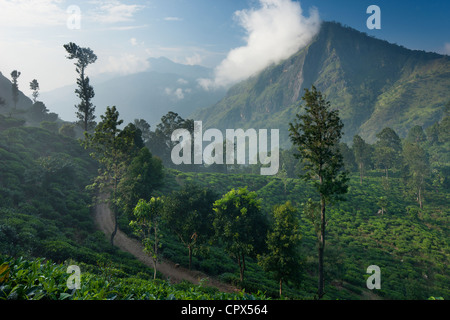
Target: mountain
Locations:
point(373, 83)
point(165, 86)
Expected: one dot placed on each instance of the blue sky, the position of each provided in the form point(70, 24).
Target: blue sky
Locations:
point(125, 33)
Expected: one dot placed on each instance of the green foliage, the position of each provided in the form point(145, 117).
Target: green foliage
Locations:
point(240, 224)
point(147, 216)
point(34, 86)
point(114, 149)
point(68, 130)
point(160, 141)
point(15, 87)
point(85, 109)
point(142, 177)
point(283, 241)
point(316, 135)
point(387, 150)
point(188, 214)
point(44, 280)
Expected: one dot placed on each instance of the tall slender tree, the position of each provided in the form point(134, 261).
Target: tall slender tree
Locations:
point(114, 149)
point(34, 86)
point(316, 134)
point(362, 153)
point(15, 87)
point(388, 150)
point(417, 161)
point(85, 109)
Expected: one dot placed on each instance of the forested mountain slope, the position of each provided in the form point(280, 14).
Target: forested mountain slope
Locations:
point(373, 83)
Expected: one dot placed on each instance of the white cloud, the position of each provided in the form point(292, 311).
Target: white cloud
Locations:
point(126, 63)
point(114, 11)
point(133, 41)
point(173, 19)
point(31, 13)
point(275, 31)
point(126, 28)
point(177, 94)
point(447, 48)
point(196, 59)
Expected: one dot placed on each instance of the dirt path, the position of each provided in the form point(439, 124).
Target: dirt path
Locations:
point(105, 222)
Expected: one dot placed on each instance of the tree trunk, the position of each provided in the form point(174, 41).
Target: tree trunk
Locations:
point(241, 262)
point(420, 198)
point(360, 173)
point(190, 256)
point(113, 234)
point(155, 249)
point(281, 287)
point(321, 247)
point(241, 271)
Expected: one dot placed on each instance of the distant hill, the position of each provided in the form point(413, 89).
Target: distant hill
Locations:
point(373, 83)
point(23, 102)
point(166, 86)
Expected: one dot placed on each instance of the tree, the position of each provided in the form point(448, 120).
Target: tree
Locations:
point(188, 213)
point(417, 161)
point(68, 130)
point(387, 150)
point(383, 203)
point(347, 157)
point(362, 153)
point(143, 125)
point(316, 135)
point(160, 142)
point(50, 126)
point(282, 174)
point(142, 176)
point(283, 240)
point(84, 57)
point(113, 149)
point(240, 224)
point(34, 86)
point(416, 135)
point(15, 87)
point(146, 225)
point(39, 112)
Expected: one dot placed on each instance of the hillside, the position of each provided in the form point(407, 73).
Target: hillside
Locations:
point(373, 83)
point(44, 213)
point(23, 102)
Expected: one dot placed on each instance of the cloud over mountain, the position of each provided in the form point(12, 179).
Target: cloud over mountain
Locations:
point(274, 31)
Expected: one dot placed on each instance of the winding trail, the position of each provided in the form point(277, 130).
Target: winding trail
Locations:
point(105, 222)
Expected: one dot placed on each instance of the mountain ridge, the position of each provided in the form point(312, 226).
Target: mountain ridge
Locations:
point(371, 81)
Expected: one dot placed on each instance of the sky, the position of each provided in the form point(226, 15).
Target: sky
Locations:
point(236, 37)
